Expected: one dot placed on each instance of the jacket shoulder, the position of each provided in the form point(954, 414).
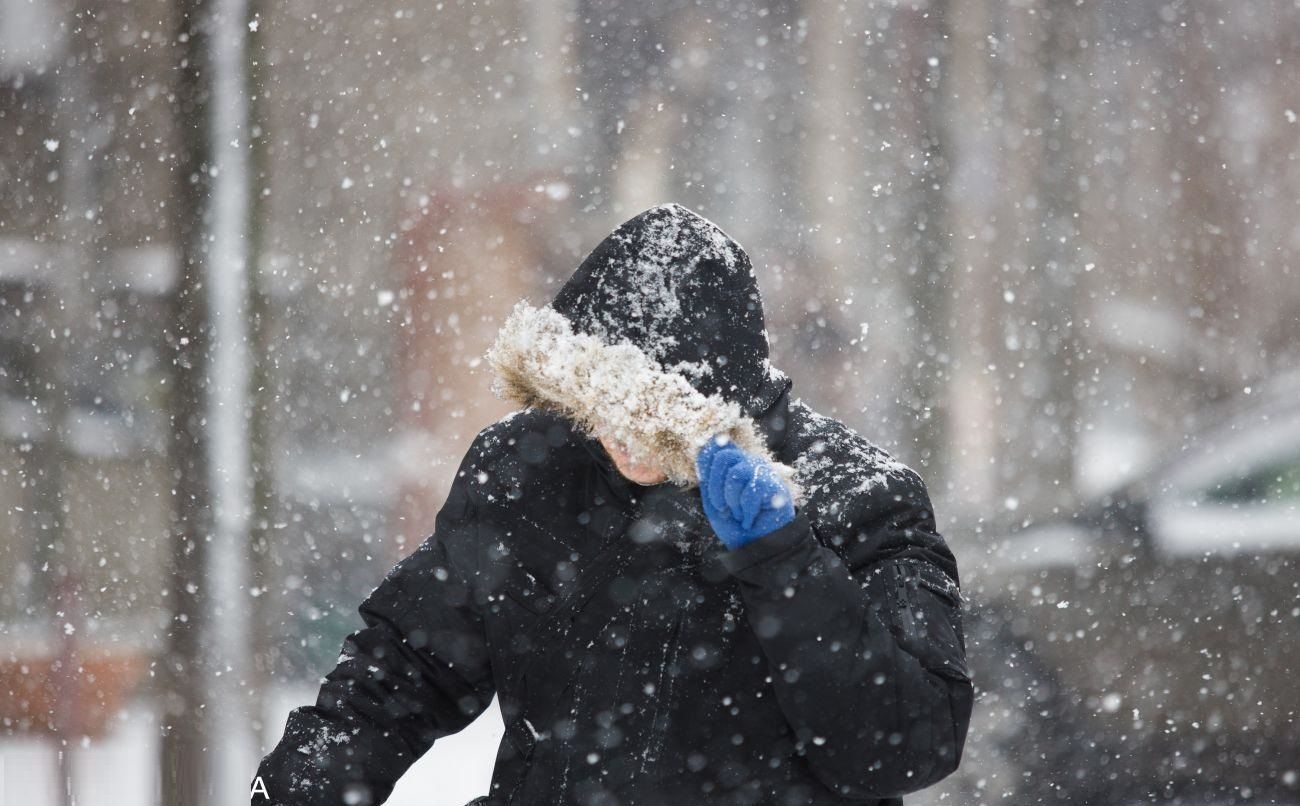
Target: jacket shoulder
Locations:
point(867, 505)
point(509, 453)
point(835, 463)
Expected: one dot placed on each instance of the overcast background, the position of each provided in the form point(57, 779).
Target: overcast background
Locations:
point(249, 263)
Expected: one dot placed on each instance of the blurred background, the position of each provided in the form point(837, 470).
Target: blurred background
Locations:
point(251, 254)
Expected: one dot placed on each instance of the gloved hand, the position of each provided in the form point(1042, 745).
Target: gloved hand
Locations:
point(743, 497)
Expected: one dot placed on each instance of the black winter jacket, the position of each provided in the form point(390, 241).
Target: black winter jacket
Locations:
point(637, 661)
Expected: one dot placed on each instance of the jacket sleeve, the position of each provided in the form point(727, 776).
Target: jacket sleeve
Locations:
point(418, 670)
point(862, 633)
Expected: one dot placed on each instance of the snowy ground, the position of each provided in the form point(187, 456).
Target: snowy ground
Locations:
point(118, 770)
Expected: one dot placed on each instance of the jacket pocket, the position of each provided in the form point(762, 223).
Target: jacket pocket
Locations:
point(928, 619)
point(529, 594)
point(927, 624)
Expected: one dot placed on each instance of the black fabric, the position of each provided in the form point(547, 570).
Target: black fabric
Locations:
point(674, 284)
point(636, 660)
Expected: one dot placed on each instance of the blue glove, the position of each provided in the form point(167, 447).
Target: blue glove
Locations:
point(743, 497)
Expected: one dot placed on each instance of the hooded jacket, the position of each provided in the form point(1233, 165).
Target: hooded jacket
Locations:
point(636, 659)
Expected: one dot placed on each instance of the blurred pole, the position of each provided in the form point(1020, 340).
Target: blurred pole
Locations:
point(233, 760)
point(262, 385)
point(185, 720)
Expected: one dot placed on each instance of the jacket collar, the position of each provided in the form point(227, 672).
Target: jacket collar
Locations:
point(774, 423)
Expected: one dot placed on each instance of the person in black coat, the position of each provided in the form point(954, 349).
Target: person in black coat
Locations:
point(684, 585)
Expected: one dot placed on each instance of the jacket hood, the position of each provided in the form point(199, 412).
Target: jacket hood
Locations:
point(657, 340)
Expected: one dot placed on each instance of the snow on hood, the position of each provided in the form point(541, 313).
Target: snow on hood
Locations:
point(657, 341)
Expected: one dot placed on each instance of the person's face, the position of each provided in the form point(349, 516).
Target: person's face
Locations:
point(639, 472)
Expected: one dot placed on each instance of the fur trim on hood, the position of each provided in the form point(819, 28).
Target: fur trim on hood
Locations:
point(618, 391)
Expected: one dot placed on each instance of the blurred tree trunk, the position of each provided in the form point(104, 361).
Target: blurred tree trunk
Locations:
point(1053, 348)
point(185, 719)
point(1211, 247)
point(926, 369)
point(781, 114)
point(977, 103)
point(57, 585)
point(831, 125)
point(613, 59)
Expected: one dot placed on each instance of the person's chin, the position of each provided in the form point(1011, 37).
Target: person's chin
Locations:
point(645, 481)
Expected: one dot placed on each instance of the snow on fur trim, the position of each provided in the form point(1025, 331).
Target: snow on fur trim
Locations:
point(617, 391)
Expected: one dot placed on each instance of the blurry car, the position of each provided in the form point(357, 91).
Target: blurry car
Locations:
point(1147, 647)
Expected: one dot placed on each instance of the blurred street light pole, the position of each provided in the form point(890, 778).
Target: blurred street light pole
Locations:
point(262, 390)
point(232, 756)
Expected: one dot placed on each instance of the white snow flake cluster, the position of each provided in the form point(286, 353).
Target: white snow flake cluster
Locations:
point(840, 464)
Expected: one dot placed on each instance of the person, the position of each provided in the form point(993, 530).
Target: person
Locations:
point(684, 585)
